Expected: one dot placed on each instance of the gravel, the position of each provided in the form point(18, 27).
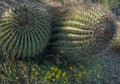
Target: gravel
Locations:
point(110, 67)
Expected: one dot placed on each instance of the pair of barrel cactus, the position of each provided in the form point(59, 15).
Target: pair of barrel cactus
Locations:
point(75, 31)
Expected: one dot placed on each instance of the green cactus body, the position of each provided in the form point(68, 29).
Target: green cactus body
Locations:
point(24, 31)
point(82, 30)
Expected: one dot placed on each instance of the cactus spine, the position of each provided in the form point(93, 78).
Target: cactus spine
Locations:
point(24, 31)
point(82, 30)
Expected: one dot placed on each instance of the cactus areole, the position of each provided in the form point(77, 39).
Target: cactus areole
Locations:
point(82, 30)
point(24, 31)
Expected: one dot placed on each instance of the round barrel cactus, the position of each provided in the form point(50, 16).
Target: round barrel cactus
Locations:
point(24, 31)
point(82, 30)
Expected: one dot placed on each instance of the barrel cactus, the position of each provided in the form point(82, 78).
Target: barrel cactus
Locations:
point(82, 30)
point(24, 31)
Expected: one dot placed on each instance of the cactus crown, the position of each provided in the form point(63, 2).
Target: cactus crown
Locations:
point(82, 30)
point(24, 31)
